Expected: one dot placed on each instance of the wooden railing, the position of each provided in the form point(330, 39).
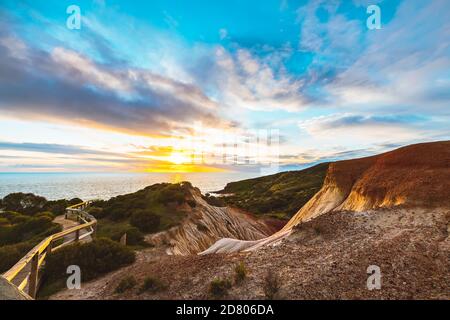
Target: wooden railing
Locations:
point(35, 258)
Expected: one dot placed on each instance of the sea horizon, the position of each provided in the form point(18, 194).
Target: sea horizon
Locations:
point(104, 185)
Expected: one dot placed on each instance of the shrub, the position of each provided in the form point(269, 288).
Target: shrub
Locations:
point(26, 228)
point(134, 236)
point(46, 214)
point(126, 284)
point(75, 201)
point(172, 193)
point(219, 287)
point(152, 285)
point(116, 213)
point(26, 203)
point(11, 254)
point(57, 207)
point(94, 258)
point(97, 212)
point(4, 222)
point(145, 220)
point(19, 218)
point(240, 272)
point(271, 285)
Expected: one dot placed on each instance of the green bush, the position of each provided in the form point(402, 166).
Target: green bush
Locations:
point(145, 220)
point(125, 284)
point(47, 214)
point(240, 272)
point(26, 228)
point(134, 236)
point(74, 201)
point(57, 207)
point(152, 285)
point(26, 203)
point(219, 287)
point(97, 212)
point(4, 222)
point(94, 259)
point(11, 254)
point(117, 213)
point(172, 193)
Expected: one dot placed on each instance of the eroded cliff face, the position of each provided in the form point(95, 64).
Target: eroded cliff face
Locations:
point(412, 176)
point(205, 224)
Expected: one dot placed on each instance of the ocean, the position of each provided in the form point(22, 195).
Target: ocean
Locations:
point(88, 186)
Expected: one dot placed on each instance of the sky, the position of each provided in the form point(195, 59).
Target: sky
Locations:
point(205, 86)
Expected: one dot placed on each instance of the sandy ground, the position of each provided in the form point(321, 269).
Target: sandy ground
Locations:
point(326, 258)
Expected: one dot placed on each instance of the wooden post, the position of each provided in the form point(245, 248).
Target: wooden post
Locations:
point(32, 283)
point(123, 239)
point(94, 230)
point(49, 248)
point(77, 235)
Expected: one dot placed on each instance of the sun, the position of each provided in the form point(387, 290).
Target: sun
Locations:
point(178, 158)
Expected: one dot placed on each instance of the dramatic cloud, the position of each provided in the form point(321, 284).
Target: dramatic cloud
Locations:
point(66, 86)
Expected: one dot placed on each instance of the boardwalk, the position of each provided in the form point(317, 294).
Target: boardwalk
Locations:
point(77, 225)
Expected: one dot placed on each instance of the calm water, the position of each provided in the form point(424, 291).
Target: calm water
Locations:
point(106, 185)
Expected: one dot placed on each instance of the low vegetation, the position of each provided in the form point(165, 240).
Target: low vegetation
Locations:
point(219, 287)
point(240, 272)
point(25, 221)
point(279, 195)
point(19, 233)
point(30, 204)
point(152, 285)
point(152, 209)
point(94, 259)
point(126, 284)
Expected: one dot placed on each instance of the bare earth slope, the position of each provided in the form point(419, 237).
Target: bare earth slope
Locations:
point(412, 176)
point(327, 258)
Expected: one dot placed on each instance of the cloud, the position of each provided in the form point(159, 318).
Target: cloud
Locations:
point(66, 86)
point(53, 148)
point(403, 65)
point(246, 81)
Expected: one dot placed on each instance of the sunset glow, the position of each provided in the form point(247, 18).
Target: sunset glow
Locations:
point(159, 87)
